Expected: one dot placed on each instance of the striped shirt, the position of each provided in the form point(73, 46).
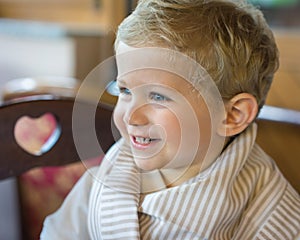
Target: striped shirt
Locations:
point(242, 195)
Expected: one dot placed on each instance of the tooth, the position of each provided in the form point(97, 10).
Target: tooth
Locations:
point(143, 140)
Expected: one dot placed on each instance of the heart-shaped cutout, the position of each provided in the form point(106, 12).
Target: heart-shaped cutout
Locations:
point(37, 135)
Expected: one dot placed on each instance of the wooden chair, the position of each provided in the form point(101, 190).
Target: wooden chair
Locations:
point(44, 178)
point(14, 160)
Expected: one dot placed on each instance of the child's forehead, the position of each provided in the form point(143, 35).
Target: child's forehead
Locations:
point(153, 77)
point(130, 59)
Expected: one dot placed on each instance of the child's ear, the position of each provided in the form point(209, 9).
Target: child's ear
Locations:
point(241, 110)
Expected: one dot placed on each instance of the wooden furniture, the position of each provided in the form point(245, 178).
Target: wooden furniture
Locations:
point(15, 161)
point(45, 178)
point(279, 136)
point(56, 102)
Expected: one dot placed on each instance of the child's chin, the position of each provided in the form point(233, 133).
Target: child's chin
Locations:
point(145, 164)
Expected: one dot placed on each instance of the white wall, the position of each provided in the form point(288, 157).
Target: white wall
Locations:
point(34, 56)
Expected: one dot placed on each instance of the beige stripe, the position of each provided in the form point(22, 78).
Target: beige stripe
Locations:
point(185, 216)
point(216, 205)
point(223, 180)
point(278, 229)
point(285, 226)
point(272, 233)
point(167, 213)
point(289, 217)
point(260, 209)
point(290, 211)
point(116, 218)
point(264, 236)
point(202, 203)
point(154, 204)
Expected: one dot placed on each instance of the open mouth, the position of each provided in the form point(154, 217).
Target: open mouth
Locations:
point(142, 141)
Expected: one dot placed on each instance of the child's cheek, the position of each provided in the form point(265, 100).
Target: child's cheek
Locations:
point(118, 117)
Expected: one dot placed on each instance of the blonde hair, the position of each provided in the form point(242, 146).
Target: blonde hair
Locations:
point(230, 39)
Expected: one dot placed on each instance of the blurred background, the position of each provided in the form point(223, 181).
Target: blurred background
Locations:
point(64, 38)
point(70, 37)
point(57, 37)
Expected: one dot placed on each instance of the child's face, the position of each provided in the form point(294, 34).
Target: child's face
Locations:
point(165, 120)
point(161, 118)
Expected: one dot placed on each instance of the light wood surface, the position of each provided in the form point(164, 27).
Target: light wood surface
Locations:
point(285, 90)
point(106, 14)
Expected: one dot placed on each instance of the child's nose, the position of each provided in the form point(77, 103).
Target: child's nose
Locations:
point(137, 116)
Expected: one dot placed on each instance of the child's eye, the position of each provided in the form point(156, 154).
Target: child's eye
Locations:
point(124, 91)
point(158, 97)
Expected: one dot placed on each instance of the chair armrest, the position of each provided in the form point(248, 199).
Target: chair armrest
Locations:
point(278, 114)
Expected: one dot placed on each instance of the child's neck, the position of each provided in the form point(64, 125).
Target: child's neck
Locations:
point(160, 179)
point(175, 177)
